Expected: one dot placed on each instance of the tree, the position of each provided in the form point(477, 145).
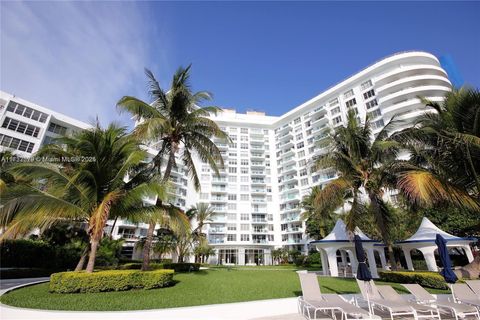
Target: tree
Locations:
point(87, 191)
point(317, 222)
point(444, 146)
point(363, 166)
point(174, 120)
point(202, 213)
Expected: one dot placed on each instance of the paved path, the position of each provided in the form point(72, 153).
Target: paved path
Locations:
point(10, 283)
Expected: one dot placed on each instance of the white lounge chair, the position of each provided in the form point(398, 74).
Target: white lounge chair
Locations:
point(474, 285)
point(456, 309)
point(372, 296)
point(313, 300)
point(463, 294)
point(423, 311)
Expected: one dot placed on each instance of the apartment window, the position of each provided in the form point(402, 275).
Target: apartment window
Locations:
point(355, 111)
point(231, 216)
point(335, 111)
point(21, 127)
point(366, 85)
point(232, 206)
point(244, 170)
point(244, 237)
point(233, 137)
point(311, 150)
point(232, 154)
point(16, 144)
point(232, 187)
point(301, 154)
point(244, 227)
point(348, 94)
point(205, 169)
point(374, 114)
point(309, 132)
point(244, 187)
point(244, 138)
point(232, 129)
point(244, 217)
point(244, 162)
point(299, 136)
point(304, 182)
point(204, 196)
point(58, 129)
point(205, 177)
point(337, 120)
point(244, 179)
point(231, 227)
point(244, 197)
point(371, 104)
point(232, 145)
point(232, 162)
point(378, 124)
point(300, 145)
point(244, 146)
point(232, 197)
point(270, 217)
point(269, 198)
point(303, 172)
point(368, 94)
point(351, 103)
point(303, 162)
point(232, 170)
point(244, 130)
point(26, 112)
point(296, 121)
point(231, 237)
point(232, 179)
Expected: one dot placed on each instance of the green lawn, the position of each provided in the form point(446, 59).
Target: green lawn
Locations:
point(199, 288)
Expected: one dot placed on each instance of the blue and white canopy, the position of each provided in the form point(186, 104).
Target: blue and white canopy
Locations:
point(341, 234)
point(427, 232)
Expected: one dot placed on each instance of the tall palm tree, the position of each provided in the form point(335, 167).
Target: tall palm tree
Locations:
point(176, 124)
point(87, 190)
point(311, 211)
point(202, 213)
point(362, 163)
point(444, 147)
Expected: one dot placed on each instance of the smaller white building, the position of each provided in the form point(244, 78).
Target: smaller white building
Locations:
point(341, 241)
point(424, 241)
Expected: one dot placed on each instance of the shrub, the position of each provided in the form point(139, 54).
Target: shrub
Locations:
point(182, 267)
point(26, 254)
point(111, 280)
point(423, 278)
point(299, 260)
point(315, 258)
point(138, 266)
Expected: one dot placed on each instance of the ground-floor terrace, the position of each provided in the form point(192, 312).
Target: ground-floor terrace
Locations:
point(242, 255)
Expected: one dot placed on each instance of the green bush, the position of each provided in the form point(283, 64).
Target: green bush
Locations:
point(423, 278)
point(26, 254)
point(314, 258)
point(111, 280)
point(138, 266)
point(182, 267)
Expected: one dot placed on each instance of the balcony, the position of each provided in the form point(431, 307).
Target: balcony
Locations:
point(216, 241)
point(218, 199)
point(216, 230)
point(258, 191)
point(258, 230)
point(258, 182)
point(257, 173)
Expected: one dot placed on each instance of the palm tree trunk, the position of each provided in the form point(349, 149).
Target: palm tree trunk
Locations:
point(472, 167)
point(113, 226)
point(391, 257)
point(93, 252)
point(147, 246)
point(83, 258)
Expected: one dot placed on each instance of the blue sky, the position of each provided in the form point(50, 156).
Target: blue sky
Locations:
point(79, 58)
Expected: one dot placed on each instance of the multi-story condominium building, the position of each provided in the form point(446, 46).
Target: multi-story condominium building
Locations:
point(269, 161)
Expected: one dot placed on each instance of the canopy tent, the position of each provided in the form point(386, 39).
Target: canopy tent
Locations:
point(339, 239)
point(424, 241)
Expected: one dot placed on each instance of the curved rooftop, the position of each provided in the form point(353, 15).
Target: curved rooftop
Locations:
point(339, 233)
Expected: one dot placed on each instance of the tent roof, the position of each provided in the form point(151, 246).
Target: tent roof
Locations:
point(428, 231)
point(340, 234)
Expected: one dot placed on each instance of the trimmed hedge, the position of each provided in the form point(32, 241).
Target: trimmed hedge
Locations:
point(423, 278)
point(182, 267)
point(112, 280)
point(138, 266)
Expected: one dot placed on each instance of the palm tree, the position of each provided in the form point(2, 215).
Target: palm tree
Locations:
point(444, 149)
point(88, 190)
point(311, 212)
point(202, 213)
point(362, 164)
point(177, 125)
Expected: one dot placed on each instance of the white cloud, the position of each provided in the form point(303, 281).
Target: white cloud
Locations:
point(77, 58)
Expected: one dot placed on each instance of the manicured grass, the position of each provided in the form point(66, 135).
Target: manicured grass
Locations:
point(199, 288)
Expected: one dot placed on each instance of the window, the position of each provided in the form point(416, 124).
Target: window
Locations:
point(204, 196)
point(244, 179)
point(303, 162)
point(205, 169)
point(372, 103)
point(58, 129)
point(231, 216)
point(335, 111)
point(368, 94)
point(232, 145)
point(351, 103)
point(244, 170)
point(244, 217)
point(244, 197)
point(26, 112)
point(374, 114)
point(16, 144)
point(205, 177)
point(244, 187)
point(270, 217)
point(337, 120)
point(244, 130)
point(244, 155)
point(378, 124)
point(308, 124)
point(244, 162)
point(232, 129)
point(244, 138)
point(244, 237)
point(301, 154)
point(309, 132)
point(244, 227)
point(299, 136)
point(296, 121)
point(21, 127)
point(232, 170)
point(232, 206)
point(300, 145)
point(244, 146)
point(366, 85)
point(231, 227)
point(303, 172)
point(232, 179)
point(304, 182)
point(348, 94)
point(231, 237)
point(232, 162)
point(232, 154)
point(232, 197)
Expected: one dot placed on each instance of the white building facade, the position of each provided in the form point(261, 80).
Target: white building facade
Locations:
point(268, 164)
